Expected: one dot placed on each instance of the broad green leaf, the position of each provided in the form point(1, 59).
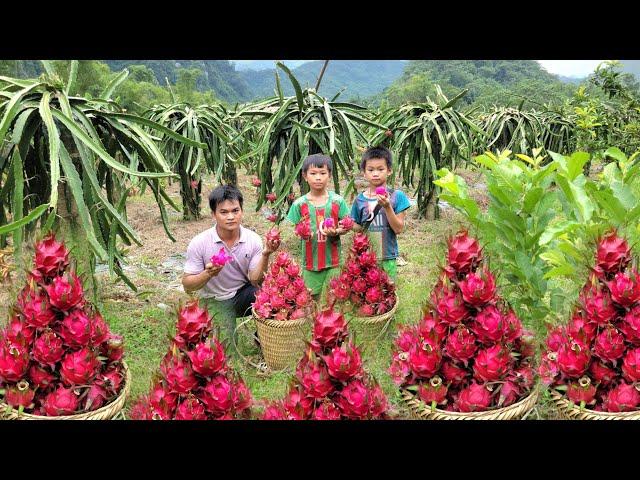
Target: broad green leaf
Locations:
point(54, 147)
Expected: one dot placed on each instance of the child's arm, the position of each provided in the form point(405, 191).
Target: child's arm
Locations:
point(396, 220)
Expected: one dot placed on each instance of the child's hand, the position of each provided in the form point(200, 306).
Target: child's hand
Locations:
point(331, 232)
point(384, 201)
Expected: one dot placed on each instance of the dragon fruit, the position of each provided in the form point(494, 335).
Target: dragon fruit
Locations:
point(221, 258)
point(630, 326)
point(65, 292)
point(597, 305)
point(271, 197)
point(314, 379)
point(207, 358)
point(48, 349)
point(326, 411)
point(51, 257)
point(573, 358)
point(20, 395)
point(18, 332)
point(62, 401)
point(470, 351)
point(190, 409)
point(381, 191)
point(256, 182)
point(14, 363)
point(631, 365)
point(273, 235)
point(613, 253)
point(328, 223)
point(625, 289)
point(194, 323)
point(75, 329)
point(329, 328)
point(343, 362)
point(303, 229)
point(34, 308)
point(40, 377)
point(602, 374)
point(464, 253)
point(297, 405)
point(346, 223)
point(622, 398)
point(78, 368)
point(609, 344)
point(582, 391)
point(581, 329)
point(354, 400)
point(96, 397)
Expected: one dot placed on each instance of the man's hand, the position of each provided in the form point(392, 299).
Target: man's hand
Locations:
point(212, 270)
point(271, 246)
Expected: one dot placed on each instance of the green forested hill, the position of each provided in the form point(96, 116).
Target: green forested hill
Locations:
point(358, 78)
point(501, 82)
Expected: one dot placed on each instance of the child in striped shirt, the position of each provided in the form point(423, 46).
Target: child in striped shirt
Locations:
point(322, 251)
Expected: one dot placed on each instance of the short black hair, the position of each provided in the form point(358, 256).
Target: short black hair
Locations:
point(317, 160)
point(222, 193)
point(375, 153)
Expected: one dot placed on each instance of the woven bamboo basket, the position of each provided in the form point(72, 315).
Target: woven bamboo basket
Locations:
point(107, 412)
point(370, 329)
point(572, 412)
point(419, 411)
point(282, 341)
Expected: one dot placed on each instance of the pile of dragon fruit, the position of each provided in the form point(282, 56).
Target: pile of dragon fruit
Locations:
point(362, 282)
point(283, 295)
point(195, 381)
point(330, 382)
point(57, 355)
point(595, 358)
point(469, 353)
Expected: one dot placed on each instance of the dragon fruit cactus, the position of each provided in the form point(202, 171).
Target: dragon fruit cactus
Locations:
point(469, 352)
point(283, 295)
point(56, 352)
point(594, 359)
point(194, 381)
point(362, 283)
point(330, 382)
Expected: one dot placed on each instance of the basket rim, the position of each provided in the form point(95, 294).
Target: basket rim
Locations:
point(562, 402)
point(280, 323)
point(124, 392)
point(378, 318)
point(485, 413)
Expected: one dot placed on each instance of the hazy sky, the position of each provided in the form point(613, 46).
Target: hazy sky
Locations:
point(570, 68)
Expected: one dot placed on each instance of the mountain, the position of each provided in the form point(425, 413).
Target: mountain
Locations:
point(358, 78)
point(573, 80)
point(631, 66)
point(499, 82)
point(218, 75)
point(264, 64)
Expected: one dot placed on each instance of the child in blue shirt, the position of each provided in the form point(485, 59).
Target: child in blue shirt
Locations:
point(388, 222)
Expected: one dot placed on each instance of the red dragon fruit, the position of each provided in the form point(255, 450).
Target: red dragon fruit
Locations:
point(513, 327)
point(207, 358)
point(190, 409)
point(273, 235)
point(555, 338)
point(491, 364)
point(597, 305)
point(478, 290)
point(75, 329)
point(433, 391)
point(178, 374)
point(111, 379)
point(329, 328)
point(65, 292)
point(354, 400)
point(609, 344)
point(162, 399)
point(613, 253)
point(256, 182)
point(298, 406)
point(425, 358)
point(630, 326)
point(14, 362)
point(343, 362)
point(217, 395)
point(62, 401)
point(48, 349)
point(18, 332)
point(631, 365)
point(221, 258)
point(461, 344)
point(34, 307)
point(582, 392)
point(99, 329)
point(78, 368)
point(490, 325)
point(473, 398)
point(314, 379)
point(400, 369)
point(625, 289)
point(346, 223)
point(582, 329)
point(303, 229)
point(326, 411)
point(194, 323)
point(450, 307)
point(271, 197)
point(96, 397)
point(464, 253)
point(509, 394)
point(602, 374)
point(381, 191)
point(40, 377)
point(430, 327)
point(573, 358)
point(20, 395)
point(51, 257)
point(242, 398)
point(622, 398)
point(549, 369)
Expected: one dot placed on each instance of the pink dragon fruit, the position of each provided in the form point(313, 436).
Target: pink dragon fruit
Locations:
point(48, 348)
point(429, 327)
point(449, 306)
point(329, 328)
point(400, 370)
point(19, 395)
point(609, 344)
point(14, 362)
point(256, 182)
point(51, 257)
point(491, 364)
point(461, 344)
point(40, 377)
point(631, 365)
point(582, 391)
point(433, 391)
point(217, 395)
point(190, 409)
point(622, 398)
point(582, 329)
point(346, 223)
point(549, 369)
point(78, 368)
point(326, 411)
point(62, 401)
point(34, 307)
point(613, 253)
point(573, 358)
point(597, 305)
point(75, 329)
point(328, 223)
point(314, 379)
point(271, 197)
point(273, 235)
point(96, 397)
point(464, 253)
point(555, 338)
point(509, 394)
point(343, 362)
point(490, 325)
point(18, 332)
point(425, 358)
point(194, 323)
point(178, 374)
point(221, 258)
point(625, 289)
point(65, 292)
point(602, 374)
point(162, 399)
point(354, 400)
point(473, 398)
point(207, 358)
point(381, 191)
point(242, 399)
point(478, 290)
point(453, 373)
point(303, 229)
point(297, 405)
point(630, 326)
point(293, 270)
